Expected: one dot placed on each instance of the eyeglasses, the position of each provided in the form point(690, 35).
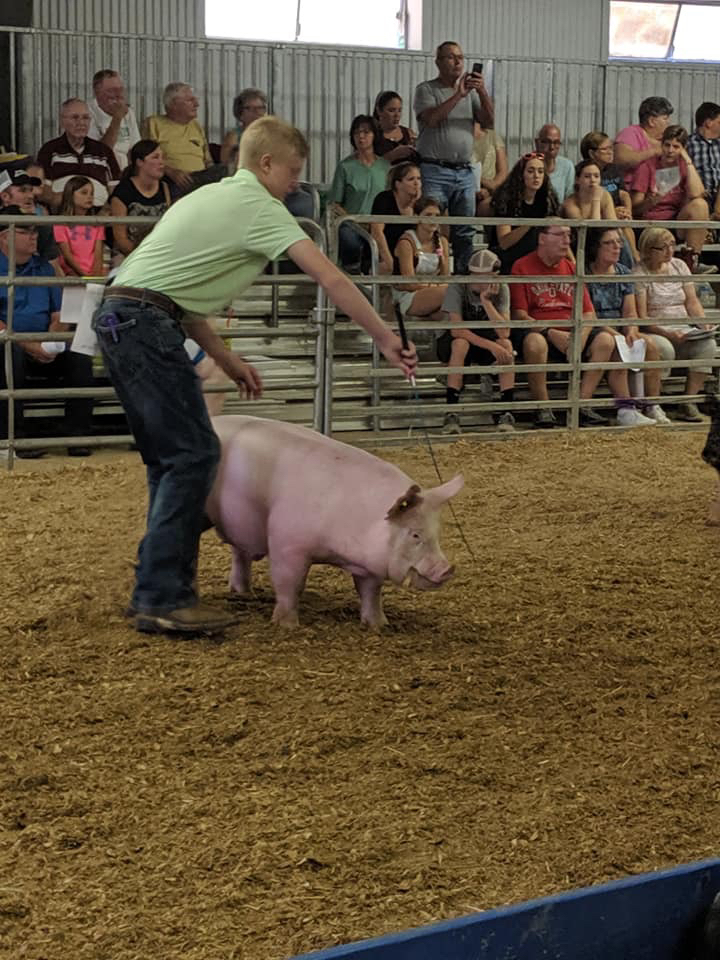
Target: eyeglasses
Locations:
point(668, 245)
point(550, 143)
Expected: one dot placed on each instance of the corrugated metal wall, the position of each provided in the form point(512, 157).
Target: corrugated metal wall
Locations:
point(685, 88)
point(552, 29)
point(320, 90)
point(55, 66)
point(497, 28)
point(547, 64)
point(150, 18)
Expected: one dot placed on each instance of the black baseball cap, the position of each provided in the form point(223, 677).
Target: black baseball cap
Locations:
point(11, 211)
point(21, 177)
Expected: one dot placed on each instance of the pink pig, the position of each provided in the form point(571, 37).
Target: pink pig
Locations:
point(301, 498)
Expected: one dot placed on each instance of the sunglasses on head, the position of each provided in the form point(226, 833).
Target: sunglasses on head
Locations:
point(534, 156)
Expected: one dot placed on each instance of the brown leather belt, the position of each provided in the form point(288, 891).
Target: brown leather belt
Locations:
point(145, 296)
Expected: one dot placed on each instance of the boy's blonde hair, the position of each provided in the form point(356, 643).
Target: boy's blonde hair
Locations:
point(270, 135)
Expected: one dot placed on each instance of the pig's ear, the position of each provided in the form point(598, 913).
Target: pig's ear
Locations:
point(439, 495)
point(408, 500)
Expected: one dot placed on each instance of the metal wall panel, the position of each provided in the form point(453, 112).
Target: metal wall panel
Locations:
point(547, 29)
point(320, 90)
point(55, 66)
point(149, 18)
point(685, 87)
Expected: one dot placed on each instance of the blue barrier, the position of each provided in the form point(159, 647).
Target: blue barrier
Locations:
point(655, 916)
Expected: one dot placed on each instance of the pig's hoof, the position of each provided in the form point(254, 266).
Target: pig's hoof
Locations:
point(285, 618)
point(240, 589)
point(374, 625)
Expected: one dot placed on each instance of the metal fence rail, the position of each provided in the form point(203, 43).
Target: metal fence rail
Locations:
point(378, 396)
point(413, 408)
point(281, 387)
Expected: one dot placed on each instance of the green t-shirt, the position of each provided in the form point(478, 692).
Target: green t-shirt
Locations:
point(356, 185)
point(212, 244)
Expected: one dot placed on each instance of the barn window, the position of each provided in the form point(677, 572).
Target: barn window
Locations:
point(664, 30)
point(384, 23)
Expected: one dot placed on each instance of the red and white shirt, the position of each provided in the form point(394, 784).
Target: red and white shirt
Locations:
point(546, 301)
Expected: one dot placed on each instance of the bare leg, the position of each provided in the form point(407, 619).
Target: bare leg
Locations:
point(427, 300)
point(695, 381)
point(371, 610)
point(618, 379)
point(600, 352)
point(535, 350)
point(240, 574)
point(288, 571)
point(696, 209)
point(506, 380)
point(652, 378)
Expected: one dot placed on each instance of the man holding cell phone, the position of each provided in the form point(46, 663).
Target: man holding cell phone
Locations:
point(446, 109)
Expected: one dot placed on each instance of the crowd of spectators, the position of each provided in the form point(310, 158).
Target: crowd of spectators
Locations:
point(456, 164)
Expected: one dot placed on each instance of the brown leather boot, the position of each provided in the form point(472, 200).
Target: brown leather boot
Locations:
point(200, 618)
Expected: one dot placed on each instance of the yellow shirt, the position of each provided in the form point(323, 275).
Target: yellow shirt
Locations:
point(184, 144)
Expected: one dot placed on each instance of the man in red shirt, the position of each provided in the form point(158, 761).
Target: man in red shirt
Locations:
point(547, 308)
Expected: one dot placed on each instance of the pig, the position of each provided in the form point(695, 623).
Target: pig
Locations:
point(298, 497)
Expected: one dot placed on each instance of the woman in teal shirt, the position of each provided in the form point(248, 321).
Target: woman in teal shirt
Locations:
point(358, 179)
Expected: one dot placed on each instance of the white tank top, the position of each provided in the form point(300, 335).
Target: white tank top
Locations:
point(427, 263)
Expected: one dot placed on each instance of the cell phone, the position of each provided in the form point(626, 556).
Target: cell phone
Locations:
point(477, 68)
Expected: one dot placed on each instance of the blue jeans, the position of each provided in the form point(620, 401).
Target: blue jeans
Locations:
point(455, 189)
point(300, 203)
point(161, 395)
point(352, 246)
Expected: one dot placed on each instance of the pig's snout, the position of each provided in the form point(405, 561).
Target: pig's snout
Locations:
point(433, 580)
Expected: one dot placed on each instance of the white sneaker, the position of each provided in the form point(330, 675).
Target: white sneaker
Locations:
point(630, 417)
point(451, 423)
point(656, 413)
point(506, 422)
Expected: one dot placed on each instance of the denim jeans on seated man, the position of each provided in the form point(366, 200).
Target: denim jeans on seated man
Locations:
point(455, 191)
point(353, 250)
point(169, 420)
point(67, 369)
point(300, 203)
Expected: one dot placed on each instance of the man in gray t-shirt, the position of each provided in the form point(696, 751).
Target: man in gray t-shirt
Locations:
point(446, 109)
point(560, 170)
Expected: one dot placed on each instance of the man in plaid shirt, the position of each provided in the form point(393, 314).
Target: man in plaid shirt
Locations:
point(704, 149)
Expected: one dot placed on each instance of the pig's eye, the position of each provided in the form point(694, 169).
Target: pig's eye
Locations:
point(416, 536)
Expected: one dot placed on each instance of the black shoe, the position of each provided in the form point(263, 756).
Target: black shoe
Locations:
point(79, 451)
point(30, 454)
point(590, 418)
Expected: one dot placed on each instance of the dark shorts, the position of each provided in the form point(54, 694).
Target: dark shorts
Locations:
point(517, 335)
point(475, 355)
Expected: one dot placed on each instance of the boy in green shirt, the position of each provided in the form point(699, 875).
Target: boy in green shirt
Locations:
point(206, 249)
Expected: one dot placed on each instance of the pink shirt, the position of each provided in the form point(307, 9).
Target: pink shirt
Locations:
point(82, 241)
point(671, 182)
point(634, 137)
